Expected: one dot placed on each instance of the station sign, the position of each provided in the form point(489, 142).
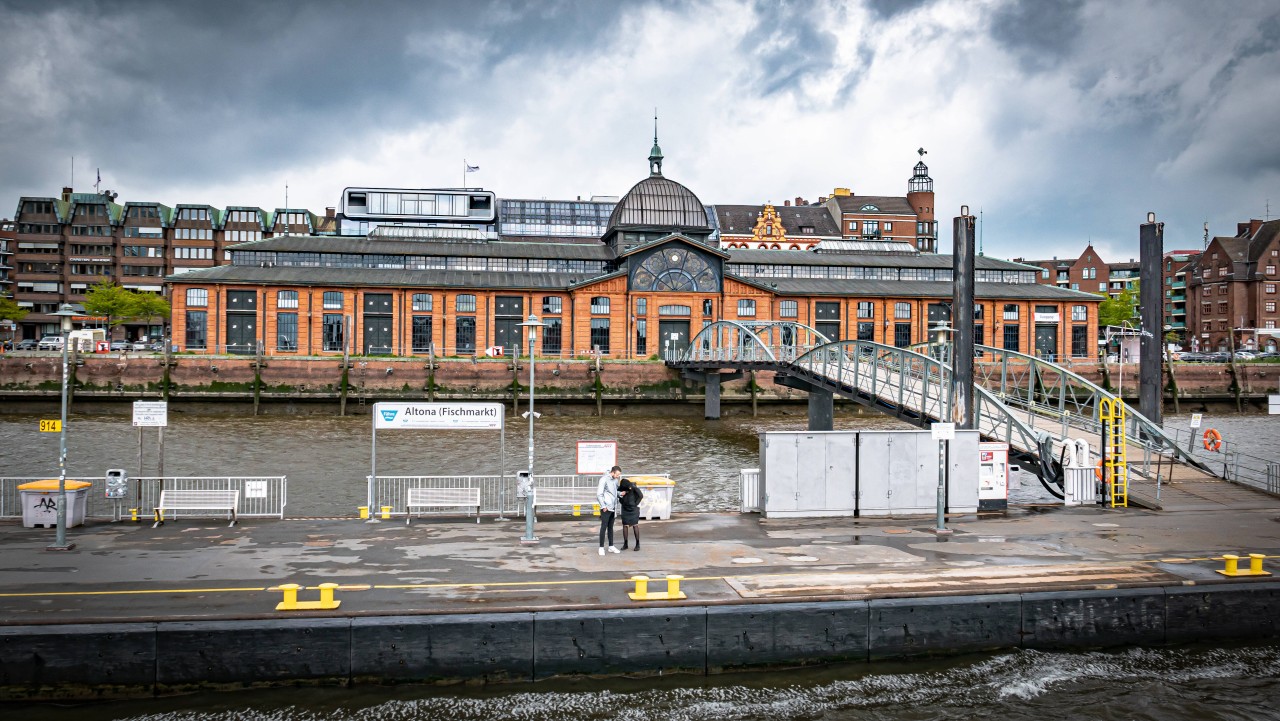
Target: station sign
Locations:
point(439, 416)
point(148, 414)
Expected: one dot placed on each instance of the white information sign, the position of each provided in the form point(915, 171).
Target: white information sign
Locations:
point(438, 416)
point(255, 489)
point(597, 456)
point(1196, 419)
point(943, 431)
point(150, 413)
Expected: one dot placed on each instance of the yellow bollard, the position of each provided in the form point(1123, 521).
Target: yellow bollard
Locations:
point(595, 509)
point(673, 587)
point(577, 509)
point(364, 513)
point(642, 588)
point(290, 601)
point(642, 592)
point(326, 596)
point(386, 513)
point(1231, 568)
point(133, 515)
point(1255, 565)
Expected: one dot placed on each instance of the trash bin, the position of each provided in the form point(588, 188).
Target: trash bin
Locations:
point(40, 503)
point(658, 492)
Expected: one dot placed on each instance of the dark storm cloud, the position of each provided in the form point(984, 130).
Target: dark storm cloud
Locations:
point(886, 9)
point(183, 91)
point(788, 43)
point(1038, 32)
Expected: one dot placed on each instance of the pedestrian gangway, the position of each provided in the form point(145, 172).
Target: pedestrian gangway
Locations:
point(912, 386)
point(1055, 399)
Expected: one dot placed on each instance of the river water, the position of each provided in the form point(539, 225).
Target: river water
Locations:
point(1174, 684)
point(327, 458)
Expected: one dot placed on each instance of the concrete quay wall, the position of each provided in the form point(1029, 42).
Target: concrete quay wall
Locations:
point(296, 381)
point(144, 658)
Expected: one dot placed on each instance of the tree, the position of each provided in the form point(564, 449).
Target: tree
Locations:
point(9, 310)
point(150, 305)
point(120, 305)
point(1117, 311)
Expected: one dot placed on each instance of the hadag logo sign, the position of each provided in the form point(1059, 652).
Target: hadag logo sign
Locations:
point(439, 416)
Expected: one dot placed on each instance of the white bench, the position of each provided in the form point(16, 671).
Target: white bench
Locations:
point(197, 500)
point(428, 497)
point(575, 496)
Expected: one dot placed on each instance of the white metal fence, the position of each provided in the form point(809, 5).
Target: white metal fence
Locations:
point(749, 490)
point(497, 493)
point(260, 496)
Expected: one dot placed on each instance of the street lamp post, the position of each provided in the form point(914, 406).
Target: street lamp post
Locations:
point(533, 324)
point(65, 313)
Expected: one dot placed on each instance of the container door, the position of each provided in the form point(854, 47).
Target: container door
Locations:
point(811, 456)
point(778, 484)
point(841, 462)
point(874, 450)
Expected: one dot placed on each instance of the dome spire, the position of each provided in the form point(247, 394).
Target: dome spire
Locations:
point(655, 154)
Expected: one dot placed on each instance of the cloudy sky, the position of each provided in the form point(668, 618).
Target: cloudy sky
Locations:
point(1064, 122)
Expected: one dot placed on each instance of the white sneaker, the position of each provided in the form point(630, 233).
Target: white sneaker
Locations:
point(602, 550)
point(612, 549)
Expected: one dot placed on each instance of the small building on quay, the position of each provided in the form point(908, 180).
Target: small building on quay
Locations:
point(664, 267)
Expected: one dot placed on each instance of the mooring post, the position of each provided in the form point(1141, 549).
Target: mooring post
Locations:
point(1151, 341)
point(962, 318)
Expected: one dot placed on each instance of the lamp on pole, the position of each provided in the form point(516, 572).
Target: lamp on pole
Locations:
point(65, 313)
point(533, 324)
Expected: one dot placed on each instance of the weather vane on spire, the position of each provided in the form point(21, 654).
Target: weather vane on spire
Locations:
point(922, 152)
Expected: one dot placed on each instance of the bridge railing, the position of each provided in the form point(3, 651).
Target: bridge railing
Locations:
point(743, 341)
point(1063, 398)
point(913, 381)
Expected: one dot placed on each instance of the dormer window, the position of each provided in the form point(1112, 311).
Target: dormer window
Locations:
point(869, 209)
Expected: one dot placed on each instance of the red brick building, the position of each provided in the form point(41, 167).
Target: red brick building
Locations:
point(1232, 290)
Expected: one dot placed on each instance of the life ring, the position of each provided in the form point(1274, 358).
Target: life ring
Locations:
point(1098, 471)
point(1212, 440)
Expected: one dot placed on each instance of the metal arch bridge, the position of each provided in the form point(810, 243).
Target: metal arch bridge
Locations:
point(912, 386)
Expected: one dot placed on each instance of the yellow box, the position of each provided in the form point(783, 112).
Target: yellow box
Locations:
point(51, 484)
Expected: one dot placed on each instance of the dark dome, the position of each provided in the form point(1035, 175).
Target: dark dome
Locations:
point(659, 202)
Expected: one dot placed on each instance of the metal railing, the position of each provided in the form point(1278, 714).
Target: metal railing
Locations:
point(749, 341)
point(497, 493)
point(260, 496)
point(1062, 398)
point(1230, 463)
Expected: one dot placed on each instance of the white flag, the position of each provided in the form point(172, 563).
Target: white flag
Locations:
point(471, 168)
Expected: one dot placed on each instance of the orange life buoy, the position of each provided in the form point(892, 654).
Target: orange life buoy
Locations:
point(1212, 440)
point(1098, 471)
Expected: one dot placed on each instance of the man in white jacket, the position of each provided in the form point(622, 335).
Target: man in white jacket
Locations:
point(607, 497)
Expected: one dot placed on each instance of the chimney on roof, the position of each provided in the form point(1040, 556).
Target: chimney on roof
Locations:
point(822, 199)
point(786, 203)
point(329, 213)
point(66, 193)
point(800, 201)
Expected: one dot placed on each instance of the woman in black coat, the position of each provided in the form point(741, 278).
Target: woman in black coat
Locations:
point(629, 497)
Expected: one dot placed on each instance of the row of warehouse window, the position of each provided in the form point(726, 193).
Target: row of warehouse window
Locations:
point(850, 272)
point(414, 262)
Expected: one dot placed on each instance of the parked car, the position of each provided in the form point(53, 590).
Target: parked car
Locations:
point(26, 344)
point(50, 342)
point(1189, 357)
point(119, 346)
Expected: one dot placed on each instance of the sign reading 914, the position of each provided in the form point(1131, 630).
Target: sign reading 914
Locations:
point(47, 426)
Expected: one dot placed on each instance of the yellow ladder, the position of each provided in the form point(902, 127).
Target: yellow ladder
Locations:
point(1115, 465)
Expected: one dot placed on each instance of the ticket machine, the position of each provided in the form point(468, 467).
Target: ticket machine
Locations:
point(993, 476)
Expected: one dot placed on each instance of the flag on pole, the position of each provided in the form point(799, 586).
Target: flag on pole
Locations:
point(95, 185)
point(471, 168)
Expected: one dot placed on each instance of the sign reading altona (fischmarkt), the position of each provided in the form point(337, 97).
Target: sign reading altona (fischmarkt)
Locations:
point(438, 416)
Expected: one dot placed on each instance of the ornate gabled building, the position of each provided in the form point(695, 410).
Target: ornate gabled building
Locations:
point(652, 281)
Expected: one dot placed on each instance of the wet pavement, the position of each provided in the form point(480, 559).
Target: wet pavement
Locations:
point(201, 568)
